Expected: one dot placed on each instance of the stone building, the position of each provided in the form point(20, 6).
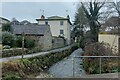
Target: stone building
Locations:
point(40, 33)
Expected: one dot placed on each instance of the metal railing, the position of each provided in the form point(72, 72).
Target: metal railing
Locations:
point(100, 57)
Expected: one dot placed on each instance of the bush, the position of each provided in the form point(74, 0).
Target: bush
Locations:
point(6, 27)
point(8, 39)
point(91, 65)
point(29, 42)
point(19, 41)
point(98, 49)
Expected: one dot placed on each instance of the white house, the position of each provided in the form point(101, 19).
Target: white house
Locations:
point(59, 26)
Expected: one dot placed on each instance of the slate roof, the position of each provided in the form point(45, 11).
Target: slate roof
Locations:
point(56, 17)
point(52, 18)
point(24, 22)
point(1, 19)
point(29, 29)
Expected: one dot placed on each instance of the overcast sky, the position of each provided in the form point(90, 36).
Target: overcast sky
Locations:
point(31, 10)
point(24, 10)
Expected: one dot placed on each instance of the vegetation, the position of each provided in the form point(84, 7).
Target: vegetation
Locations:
point(91, 65)
point(87, 17)
point(25, 67)
point(29, 42)
point(8, 39)
point(16, 41)
point(86, 30)
point(92, 15)
point(6, 27)
point(80, 24)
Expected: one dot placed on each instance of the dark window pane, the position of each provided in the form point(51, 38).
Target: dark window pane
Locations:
point(61, 32)
point(61, 22)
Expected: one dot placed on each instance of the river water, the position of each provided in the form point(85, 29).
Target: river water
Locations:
point(69, 67)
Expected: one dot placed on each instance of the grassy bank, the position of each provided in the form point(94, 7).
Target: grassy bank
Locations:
point(33, 66)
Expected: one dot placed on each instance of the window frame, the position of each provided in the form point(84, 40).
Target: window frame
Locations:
point(61, 31)
point(61, 22)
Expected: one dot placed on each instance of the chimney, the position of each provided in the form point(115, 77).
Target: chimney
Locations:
point(42, 17)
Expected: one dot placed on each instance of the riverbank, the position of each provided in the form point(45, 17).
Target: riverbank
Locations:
point(28, 67)
point(37, 54)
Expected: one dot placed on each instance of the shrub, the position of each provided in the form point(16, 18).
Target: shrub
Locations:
point(98, 49)
point(91, 65)
point(19, 41)
point(6, 27)
point(29, 42)
point(8, 39)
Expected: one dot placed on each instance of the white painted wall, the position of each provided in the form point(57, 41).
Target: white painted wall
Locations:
point(55, 28)
point(111, 39)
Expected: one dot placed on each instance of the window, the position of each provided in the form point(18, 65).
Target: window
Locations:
point(61, 31)
point(46, 22)
point(61, 22)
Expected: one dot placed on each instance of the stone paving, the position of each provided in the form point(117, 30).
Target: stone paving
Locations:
point(65, 68)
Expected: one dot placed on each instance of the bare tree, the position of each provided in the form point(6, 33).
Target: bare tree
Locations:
point(92, 13)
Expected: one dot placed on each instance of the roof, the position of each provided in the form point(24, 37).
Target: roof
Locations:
point(55, 18)
point(29, 29)
point(112, 21)
point(4, 19)
point(24, 22)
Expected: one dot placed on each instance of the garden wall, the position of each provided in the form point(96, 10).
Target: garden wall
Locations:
point(58, 42)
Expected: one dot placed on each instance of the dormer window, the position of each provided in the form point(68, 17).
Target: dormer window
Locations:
point(61, 22)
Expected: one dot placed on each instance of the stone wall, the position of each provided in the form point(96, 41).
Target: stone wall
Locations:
point(58, 42)
point(47, 41)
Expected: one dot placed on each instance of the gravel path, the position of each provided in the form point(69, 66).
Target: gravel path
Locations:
point(65, 68)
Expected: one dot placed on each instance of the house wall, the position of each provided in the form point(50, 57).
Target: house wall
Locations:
point(43, 42)
point(69, 33)
point(113, 40)
point(55, 28)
